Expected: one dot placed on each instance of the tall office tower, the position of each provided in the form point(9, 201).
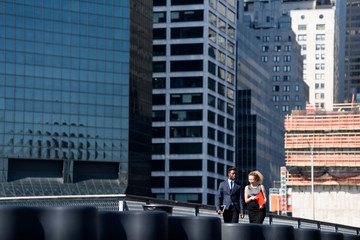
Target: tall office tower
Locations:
point(75, 98)
point(193, 97)
point(259, 127)
point(280, 52)
point(316, 25)
point(352, 52)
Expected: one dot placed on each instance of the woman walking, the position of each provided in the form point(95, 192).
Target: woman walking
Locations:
point(256, 212)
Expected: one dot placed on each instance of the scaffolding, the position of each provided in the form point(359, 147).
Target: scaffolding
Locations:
point(334, 139)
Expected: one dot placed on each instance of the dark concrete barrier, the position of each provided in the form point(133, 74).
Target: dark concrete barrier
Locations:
point(194, 228)
point(306, 234)
point(331, 236)
point(70, 223)
point(17, 223)
point(277, 232)
point(133, 225)
point(243, 231)
point(351, 237)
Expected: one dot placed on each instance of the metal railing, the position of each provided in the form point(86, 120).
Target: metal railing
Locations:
point(124, 202)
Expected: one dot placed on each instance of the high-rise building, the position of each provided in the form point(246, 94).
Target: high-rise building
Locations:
point(352, 52)
point(75, 97)
point(279, 52)
point(259, 129)
point(317, 25)
point(194, 67)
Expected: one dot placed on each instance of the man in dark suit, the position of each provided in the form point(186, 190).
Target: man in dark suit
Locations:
point(230, 200)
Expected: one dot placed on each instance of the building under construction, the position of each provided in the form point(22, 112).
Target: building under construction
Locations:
point(330, 142)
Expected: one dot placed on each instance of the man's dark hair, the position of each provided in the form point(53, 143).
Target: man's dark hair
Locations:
point(231, 169)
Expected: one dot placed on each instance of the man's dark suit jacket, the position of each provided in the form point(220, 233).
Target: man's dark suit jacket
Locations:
point(225, 196)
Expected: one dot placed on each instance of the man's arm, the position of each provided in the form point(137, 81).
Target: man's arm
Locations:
point(242, 205)
point(219, 199)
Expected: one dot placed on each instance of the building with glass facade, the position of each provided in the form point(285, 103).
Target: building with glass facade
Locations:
point(259, 125)
point(193, 97)
point(75, 97)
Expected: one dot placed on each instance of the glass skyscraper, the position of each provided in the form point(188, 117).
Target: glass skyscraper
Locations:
point(75, 97)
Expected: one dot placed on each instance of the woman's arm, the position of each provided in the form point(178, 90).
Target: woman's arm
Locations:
point(247, 199)
point(264, 192)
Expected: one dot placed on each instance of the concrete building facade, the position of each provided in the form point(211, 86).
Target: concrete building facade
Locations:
point(194, 66)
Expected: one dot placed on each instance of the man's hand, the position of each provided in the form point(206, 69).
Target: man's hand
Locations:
point(242, 215)
point(219, 211)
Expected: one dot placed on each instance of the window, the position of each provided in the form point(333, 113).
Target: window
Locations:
point(221, 41)
point(317, 66)
point(265, 48)
point(221, 105)
point(266, 38)
point(158, 148)
point(322, 66)
point(275, 88)
point(286, 78)
point(322, 56)
point(186, 32)
point(159, 50)
point(302, 37)
point(275, 98)
point(277, 48)
point(189, 98)
point(221, 121)
point(286, 98)
point(186, 82)
point(320, 36)
point(230, 124)
point(264, 58)
point(158, 99)
point(286, 88)
point(180, 132)
point(159, 33)
point(285, 108)
point(221, 89)
point(211, 100)
point(229, 62)
point(222, 9)
point(211, 133)
point(230, 47)
point(320, 46)
point(187, 16)
point(186, 115)
point(302, 27)
point(276, 68)
point(230, 78)
point(158, 116)
point(222, 25)
point(277, 38)
point(212, 35)
point(221, 57)
point(296, 88)
point(185, 148)
point(287, 68)
point(211, 68)
point(287, 58)
point(320, 26)
point(159, 17)
point(186, 49)
point(212, 19)
point(211, 117)
point(316, 86)
point(185, 165)
point(231, 16)
point(230, 109)
point(276, 78)
point(221, 137)
point(221, 73)
point(231, 32)
point(187, 65)
point(212, 84)
point(230, 93)
point(303, 47)
point(158, 132)
point(159, 83)
point(287, 48)
point(276, 58)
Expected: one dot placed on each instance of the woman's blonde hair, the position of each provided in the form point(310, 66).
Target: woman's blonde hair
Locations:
point(257, 175)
